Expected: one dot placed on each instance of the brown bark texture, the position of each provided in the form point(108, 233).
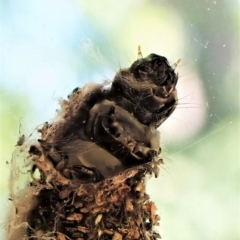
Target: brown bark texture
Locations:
point(93, 158)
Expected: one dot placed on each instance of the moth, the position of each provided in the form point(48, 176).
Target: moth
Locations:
point(104, 131)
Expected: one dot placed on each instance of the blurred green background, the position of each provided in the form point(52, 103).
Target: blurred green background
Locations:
point(50, 47)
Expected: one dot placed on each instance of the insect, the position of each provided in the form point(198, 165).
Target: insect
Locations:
point(101, 132)
point(104, 131)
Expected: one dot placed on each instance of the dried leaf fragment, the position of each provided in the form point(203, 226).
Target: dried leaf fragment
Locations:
point(98, 219)
point(75, 217)
point(128, 205)
point(61, 236)
point(117, 236)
